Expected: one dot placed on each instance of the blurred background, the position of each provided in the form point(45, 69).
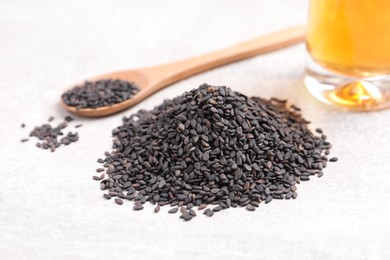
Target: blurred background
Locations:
point(52, 44)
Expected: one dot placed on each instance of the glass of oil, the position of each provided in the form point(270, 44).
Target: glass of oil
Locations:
point(348, 46)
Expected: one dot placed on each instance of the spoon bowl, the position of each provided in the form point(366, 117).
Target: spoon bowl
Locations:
point(136, 76)
point(151, 79)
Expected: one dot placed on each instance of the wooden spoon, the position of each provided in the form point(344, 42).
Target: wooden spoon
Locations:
point(152, 79)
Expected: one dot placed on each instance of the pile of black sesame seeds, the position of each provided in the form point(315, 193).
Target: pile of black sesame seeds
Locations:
point(212, 146)
point(100, 93)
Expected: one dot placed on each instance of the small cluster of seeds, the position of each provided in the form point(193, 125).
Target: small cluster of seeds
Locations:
point(49, 135)
point(212, 146)
point(99, 93)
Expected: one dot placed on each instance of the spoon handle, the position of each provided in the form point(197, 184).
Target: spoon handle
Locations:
point(176, 71)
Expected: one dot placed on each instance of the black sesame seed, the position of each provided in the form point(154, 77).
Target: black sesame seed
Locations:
point(187, 217)
point(174, 210)
point(68, 119)
point(202, 206)
point(217, 208)
point(268, 199)
point(138, 207)
point(250, 208)
point(208, 212)
point(192, 212)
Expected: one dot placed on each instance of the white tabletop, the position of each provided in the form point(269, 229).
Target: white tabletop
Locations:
point(51, 209)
